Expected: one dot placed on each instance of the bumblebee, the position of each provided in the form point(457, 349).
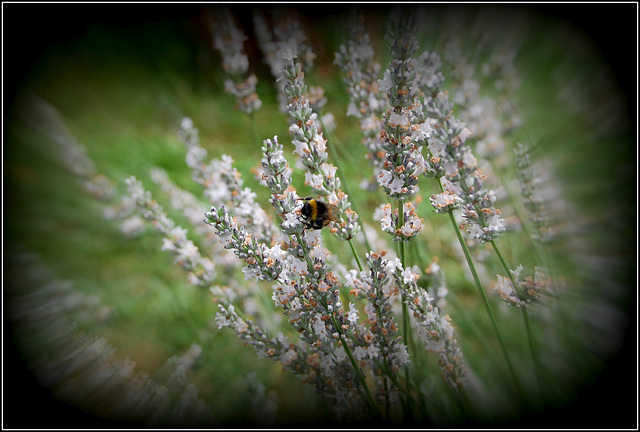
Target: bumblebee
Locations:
point(317, 214)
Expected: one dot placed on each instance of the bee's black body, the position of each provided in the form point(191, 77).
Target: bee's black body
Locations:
point(318, 214)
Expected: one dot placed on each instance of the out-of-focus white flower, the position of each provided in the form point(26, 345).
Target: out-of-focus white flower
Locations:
point(445, 201)
point(353, 314)
point(389, 220)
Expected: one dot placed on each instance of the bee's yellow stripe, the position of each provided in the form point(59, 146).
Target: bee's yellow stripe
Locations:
point(314, 209)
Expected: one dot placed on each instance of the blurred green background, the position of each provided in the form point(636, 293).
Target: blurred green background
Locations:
point(122, 76)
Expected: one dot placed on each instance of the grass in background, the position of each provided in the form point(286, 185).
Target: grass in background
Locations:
point(121, 92)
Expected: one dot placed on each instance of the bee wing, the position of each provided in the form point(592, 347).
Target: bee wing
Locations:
point(333, 213)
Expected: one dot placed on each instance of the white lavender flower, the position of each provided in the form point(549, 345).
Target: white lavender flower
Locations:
point(280, 41)
point(312, 149)
point(277, 176)
point(367, 101)
point(228, 39)
point(405, 128)
point(445, 201)
point(183, 363)
point(405, 131)
point(261, 262)
point(378, 343)
point(389, 221)
point(542, 199)
point(201, 270)
point(458, 166)
point(223, 184)
point(527, 290)
point(435, 330)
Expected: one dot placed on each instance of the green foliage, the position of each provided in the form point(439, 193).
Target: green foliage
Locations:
point(122, 92)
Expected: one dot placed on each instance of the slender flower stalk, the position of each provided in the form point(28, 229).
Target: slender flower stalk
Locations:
point(281, 34)
point(464, 182)
point(405, 128)
point(451, 159)
point(223, 184)
point(367, 102)
point(311, 146)
point(483, 296)
point(435, 330)
point(228, 39)
point(404, 132)
point(304, 288)
point(519, 293)
point(188, 204)
point(461, 182)
point(201, 270)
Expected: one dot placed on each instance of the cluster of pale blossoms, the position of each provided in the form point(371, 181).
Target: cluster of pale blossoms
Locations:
point(366, 102)
point(435, 330)
point(280, 35)
point(276, 175)
point(183, 363)
point(124, 210)
point(82, 370)
point(527, 289)
point(311, 146)
point(223, 184)
point(187, 203)
point(262, 262)
point(201, 270)
point(543, 200)
point(390, 221)
point(308, 293)
point(228, 40)
point(452, 161)
point(405, 126)
point(336, 352)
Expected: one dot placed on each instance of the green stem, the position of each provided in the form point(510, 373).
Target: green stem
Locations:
point(405, 311)
point(355, 254)
point(532, 349)
point(483, 296)
point(524, 221)
point(371, 401)
point(523, 309)
point(356, 368)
